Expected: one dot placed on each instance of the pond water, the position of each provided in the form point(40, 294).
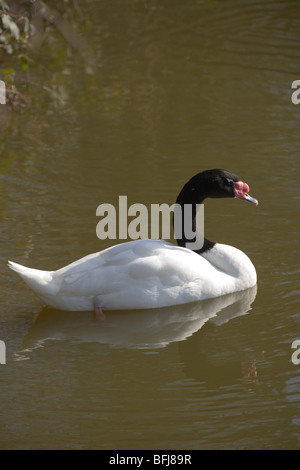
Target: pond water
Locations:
point(180, 87)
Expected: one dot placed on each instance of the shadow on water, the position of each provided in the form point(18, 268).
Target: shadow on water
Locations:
point(140, 329)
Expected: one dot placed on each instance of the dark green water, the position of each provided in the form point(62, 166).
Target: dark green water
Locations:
point(180, 87)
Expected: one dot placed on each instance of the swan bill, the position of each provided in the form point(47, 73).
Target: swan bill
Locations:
point(241, 191)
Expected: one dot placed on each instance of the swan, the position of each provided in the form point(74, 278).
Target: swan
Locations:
point(147, 274)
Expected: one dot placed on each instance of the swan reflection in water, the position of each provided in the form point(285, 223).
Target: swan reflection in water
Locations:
point(139, 329)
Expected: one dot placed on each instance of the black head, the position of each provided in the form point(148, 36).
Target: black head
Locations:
point(210, 183)
point(215, 183)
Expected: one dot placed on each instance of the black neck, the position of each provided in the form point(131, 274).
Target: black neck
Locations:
point(188, 199)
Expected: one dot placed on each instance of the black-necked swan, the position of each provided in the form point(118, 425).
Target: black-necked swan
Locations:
point(144, 274)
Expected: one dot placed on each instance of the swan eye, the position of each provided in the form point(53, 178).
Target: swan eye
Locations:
point(230, 182)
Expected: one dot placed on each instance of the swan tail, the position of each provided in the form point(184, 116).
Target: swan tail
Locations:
point(41, 282)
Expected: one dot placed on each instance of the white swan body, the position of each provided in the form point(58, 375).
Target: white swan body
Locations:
point(145, 274)
point(142, 274)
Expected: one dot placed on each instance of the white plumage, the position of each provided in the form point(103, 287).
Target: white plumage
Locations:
point(142, 274)
point(146, 274)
